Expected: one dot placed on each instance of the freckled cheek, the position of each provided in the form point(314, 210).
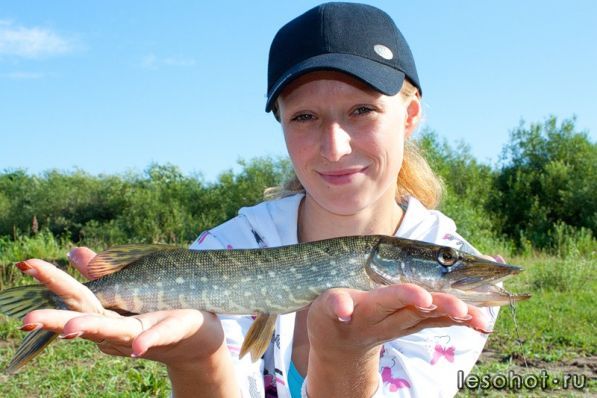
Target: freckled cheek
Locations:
point(299, 153)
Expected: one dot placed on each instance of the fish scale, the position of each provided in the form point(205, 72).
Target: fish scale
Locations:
point(266, 282)
point(223, 281)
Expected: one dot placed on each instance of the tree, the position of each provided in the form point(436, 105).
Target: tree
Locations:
point(548, 176)
point(467, 184)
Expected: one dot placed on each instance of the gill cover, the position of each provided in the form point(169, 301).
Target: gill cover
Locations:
point(379, 262)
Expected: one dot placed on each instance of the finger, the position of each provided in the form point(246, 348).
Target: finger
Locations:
point(111, 349)
point(407, 315)
point(339, 304)
point(53, 320)
point(474, 318)
point(438, 322)
point(449, 305)
point(80, 257)
point(441, 322)
point(479, 321)
point(499, 259)
point(97, 328)
point(389, 299)
point(172, 329)
point(74, 294)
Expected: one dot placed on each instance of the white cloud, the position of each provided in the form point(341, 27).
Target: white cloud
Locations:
point(31, 42)
point(152, 61)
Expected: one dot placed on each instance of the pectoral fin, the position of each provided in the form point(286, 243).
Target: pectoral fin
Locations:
point(259, 336)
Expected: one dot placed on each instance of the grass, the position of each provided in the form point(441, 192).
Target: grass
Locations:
point(560, 319)
point(43, 245)
point(78, 369)
point(556, 328)
point(66, 369)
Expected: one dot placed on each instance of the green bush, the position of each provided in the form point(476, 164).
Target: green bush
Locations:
point(467, 185)
point(540, 196)
point(548, 177)
point(159, 205)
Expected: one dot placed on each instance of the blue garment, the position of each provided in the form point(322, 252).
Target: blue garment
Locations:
point(295, 381)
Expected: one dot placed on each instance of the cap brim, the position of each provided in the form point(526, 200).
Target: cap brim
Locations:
point(380, 77)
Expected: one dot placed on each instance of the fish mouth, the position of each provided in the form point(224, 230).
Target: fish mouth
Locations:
point(473, 273)
point(489, 296)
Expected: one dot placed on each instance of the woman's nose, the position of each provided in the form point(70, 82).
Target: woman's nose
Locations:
point(335, 142)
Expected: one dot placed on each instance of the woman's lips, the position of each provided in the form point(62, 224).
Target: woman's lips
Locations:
point(340, 177)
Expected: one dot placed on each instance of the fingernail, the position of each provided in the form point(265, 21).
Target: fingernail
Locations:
point(432, 307)
point(30, 327)
point(70, 336)
point(137, 354)
point(344, 319)
point(23, 266)
point(72, 259)
point(26, 268)
point(465, 318)
point(483, 330)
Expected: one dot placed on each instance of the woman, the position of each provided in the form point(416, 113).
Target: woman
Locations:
point(343, 84)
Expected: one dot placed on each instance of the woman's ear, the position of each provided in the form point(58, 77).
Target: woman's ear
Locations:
point(413, 115)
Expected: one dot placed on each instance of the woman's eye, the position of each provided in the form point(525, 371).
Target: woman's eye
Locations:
point(303, 117)
point(362, 110)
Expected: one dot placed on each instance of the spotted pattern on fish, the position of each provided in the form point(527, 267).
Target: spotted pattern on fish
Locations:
point(268, 281)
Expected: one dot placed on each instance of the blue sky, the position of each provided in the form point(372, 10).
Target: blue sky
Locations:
point(110, 86)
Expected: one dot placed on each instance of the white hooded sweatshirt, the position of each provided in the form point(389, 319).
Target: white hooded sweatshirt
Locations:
point(423, 364)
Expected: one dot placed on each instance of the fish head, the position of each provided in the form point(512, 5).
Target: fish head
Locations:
point(470, 272)
point(437, 268)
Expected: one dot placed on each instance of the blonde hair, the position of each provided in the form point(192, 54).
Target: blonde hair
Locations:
point(416, 178)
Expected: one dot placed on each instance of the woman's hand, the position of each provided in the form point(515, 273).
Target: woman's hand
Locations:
point(190, 342)
point(346, 328)
point(357, 321)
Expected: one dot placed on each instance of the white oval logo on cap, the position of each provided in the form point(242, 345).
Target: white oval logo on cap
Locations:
point(383, 51)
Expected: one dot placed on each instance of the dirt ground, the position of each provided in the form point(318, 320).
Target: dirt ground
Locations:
point(585, 366)
point(582, 365)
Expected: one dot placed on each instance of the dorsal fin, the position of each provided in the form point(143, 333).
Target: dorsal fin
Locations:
point(117, 257)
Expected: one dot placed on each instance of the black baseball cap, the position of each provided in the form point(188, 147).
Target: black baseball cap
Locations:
point(357, 39)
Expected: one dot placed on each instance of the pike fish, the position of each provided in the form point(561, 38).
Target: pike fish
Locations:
point(137, 279)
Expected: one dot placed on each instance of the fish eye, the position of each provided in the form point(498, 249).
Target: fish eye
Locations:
point(447, 256)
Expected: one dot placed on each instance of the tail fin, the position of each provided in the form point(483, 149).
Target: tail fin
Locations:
point(18, 301)
point(31, 346)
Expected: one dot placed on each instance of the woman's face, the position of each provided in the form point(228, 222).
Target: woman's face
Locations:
point(345, 140)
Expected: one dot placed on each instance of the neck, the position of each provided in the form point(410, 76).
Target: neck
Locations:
point(316, 222)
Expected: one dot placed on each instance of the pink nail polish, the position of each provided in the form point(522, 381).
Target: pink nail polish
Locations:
point(30, 327)
point(71, 336)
